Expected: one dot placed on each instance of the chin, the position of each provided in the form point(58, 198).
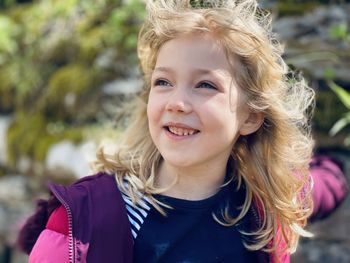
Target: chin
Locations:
point(180, 163)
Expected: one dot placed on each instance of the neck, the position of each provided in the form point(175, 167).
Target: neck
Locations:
point(194, 183)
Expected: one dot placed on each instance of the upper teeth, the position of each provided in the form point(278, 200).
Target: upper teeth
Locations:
point(181, 131)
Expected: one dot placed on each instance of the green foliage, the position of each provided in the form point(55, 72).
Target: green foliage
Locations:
point(327, 110)
point(339, 32)
point(33, 135)
point(8, 33)
point(292, 8)
point(344, 97)
point(329, 74)
point(7, 3)
point(51, 72)
point(6, 91)
point(297, 7)
point(22, 134)
point(73, 80)
point(125, 38)
point(342, 94)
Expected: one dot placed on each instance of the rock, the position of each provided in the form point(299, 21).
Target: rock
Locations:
point(13, 189)
point(4, 124)
point(124, 86)
point(106, 59)
point(316, 41)
point(69, 157)
point(15, 204)
point(24, 164)
point(317, 22)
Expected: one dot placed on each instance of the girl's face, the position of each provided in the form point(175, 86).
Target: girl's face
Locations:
point(195, 111)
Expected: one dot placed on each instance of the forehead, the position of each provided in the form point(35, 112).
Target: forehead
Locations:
point(190, 51)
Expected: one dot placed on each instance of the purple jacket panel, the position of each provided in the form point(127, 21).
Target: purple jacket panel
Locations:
point(98, 218)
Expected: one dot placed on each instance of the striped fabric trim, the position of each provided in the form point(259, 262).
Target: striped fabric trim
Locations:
point(136, 213)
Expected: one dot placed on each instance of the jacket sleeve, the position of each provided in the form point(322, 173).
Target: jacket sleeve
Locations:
point(51, 247)
point(52, 244)
point(330, 186)
point(280, 255)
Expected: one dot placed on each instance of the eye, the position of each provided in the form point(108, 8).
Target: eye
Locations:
point(161, 82)
point(206, 85)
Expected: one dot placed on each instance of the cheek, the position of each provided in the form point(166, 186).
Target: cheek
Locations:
point(149, 109)
point(220, 112)
point(223, 121)
point(151, 122)
point(150, 106)
point(153, 111)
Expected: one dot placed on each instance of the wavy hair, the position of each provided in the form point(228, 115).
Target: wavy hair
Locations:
point(271, 163)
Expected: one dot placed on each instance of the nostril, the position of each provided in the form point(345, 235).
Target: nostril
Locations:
point(178, 105)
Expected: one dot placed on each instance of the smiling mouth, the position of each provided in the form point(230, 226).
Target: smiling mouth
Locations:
point(181, 131)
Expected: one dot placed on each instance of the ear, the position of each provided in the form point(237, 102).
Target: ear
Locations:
point(252, 123)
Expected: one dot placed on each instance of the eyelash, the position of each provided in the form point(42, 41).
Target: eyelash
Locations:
point(208, 84)
point(158, 81)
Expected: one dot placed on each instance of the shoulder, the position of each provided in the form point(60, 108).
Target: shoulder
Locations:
point(100, 179)
point(86, 195)
point(93, 203)
point(98, 186)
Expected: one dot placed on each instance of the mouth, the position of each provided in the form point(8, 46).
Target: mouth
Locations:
point(181, 131)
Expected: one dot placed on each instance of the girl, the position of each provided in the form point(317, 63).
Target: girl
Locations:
point(214, 165)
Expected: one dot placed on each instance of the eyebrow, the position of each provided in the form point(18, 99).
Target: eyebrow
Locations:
point(198, 70)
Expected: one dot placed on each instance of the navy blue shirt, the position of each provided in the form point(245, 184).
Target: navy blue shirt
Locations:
point(189, 233)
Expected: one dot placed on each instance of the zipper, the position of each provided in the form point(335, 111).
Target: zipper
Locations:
point(71, 245)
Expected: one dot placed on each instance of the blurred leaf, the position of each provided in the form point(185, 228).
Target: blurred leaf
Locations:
point(63, 7)
point(329, 74)
point(339, 31)
point(343, 95)
point(340, 124)
point(347, 140)
point(131, 41)
point(118, 17)
point(8, 3)
point(312, 56)
point(73, 78)
point(8, 31)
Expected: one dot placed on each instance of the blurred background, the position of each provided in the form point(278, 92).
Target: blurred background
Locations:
point(67, 65)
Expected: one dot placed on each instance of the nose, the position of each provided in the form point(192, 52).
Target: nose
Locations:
point(179, 101)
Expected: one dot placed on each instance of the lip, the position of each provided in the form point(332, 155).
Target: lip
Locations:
point(179, 125)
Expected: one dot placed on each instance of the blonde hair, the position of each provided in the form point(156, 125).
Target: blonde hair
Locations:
point(272, 163)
